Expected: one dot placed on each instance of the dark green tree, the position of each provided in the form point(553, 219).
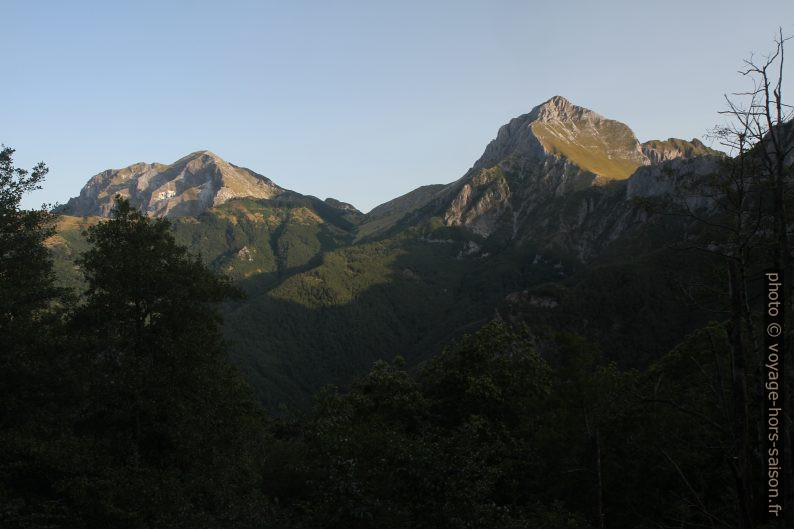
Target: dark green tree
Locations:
point(583, 430)
point(30, 374)
point(453, 447)
point(682, 435)
point(26, 277)
point(173, 429)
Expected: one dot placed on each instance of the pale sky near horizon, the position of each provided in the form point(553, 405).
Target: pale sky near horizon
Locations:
point(360, 101)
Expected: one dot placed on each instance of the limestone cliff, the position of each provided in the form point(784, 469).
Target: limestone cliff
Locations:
point(187, 187)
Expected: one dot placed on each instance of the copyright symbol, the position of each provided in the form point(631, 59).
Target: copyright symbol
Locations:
point(773, 329)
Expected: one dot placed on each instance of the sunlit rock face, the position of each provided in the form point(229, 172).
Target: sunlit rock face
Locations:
point(555, 149)
point(187, 187)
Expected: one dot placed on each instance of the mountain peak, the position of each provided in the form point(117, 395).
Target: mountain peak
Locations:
point(204, 152)
point(205, 156)
point(604, 148)
point(560, 109)
point(558, 100)
point(189, 186)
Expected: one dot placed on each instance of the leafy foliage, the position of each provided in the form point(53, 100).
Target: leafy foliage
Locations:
point(125, 411)
point(169, 421)
point(452, 447)
point(26, 278)
point(30, 375)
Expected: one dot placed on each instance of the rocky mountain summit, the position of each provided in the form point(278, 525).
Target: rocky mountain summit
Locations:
point(528, 174)
point(187, 187)
point(602, 149)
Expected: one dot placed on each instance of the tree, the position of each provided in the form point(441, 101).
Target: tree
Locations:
point(761, 135)
point(30, 375)
point(26, 277)
point(684, 435)
point(173, 430)
point(737, 214)
point(759, 124)
point(587, 409)
point(453, 446)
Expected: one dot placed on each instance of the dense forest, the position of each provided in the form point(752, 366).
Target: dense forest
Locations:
point(121, 407)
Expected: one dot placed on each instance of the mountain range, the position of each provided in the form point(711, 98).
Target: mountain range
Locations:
point(545, 228)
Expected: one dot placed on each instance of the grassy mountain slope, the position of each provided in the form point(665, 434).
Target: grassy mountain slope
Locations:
point(592, 152)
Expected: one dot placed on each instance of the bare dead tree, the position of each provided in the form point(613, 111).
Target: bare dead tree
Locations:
point(760, 120)
point(738, 212)
point(760, 135)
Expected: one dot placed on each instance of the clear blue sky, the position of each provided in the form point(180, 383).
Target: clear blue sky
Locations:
point(361, 101)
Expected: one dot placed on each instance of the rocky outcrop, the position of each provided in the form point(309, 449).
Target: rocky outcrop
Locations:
point(188, 187)
point(481, 202)
point(659, 151)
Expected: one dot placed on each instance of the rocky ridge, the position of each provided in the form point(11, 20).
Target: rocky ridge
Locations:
point(187, 187)
point(525, 185)
point(659, 151)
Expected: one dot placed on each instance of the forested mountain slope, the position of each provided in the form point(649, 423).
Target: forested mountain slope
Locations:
point(550, 206)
